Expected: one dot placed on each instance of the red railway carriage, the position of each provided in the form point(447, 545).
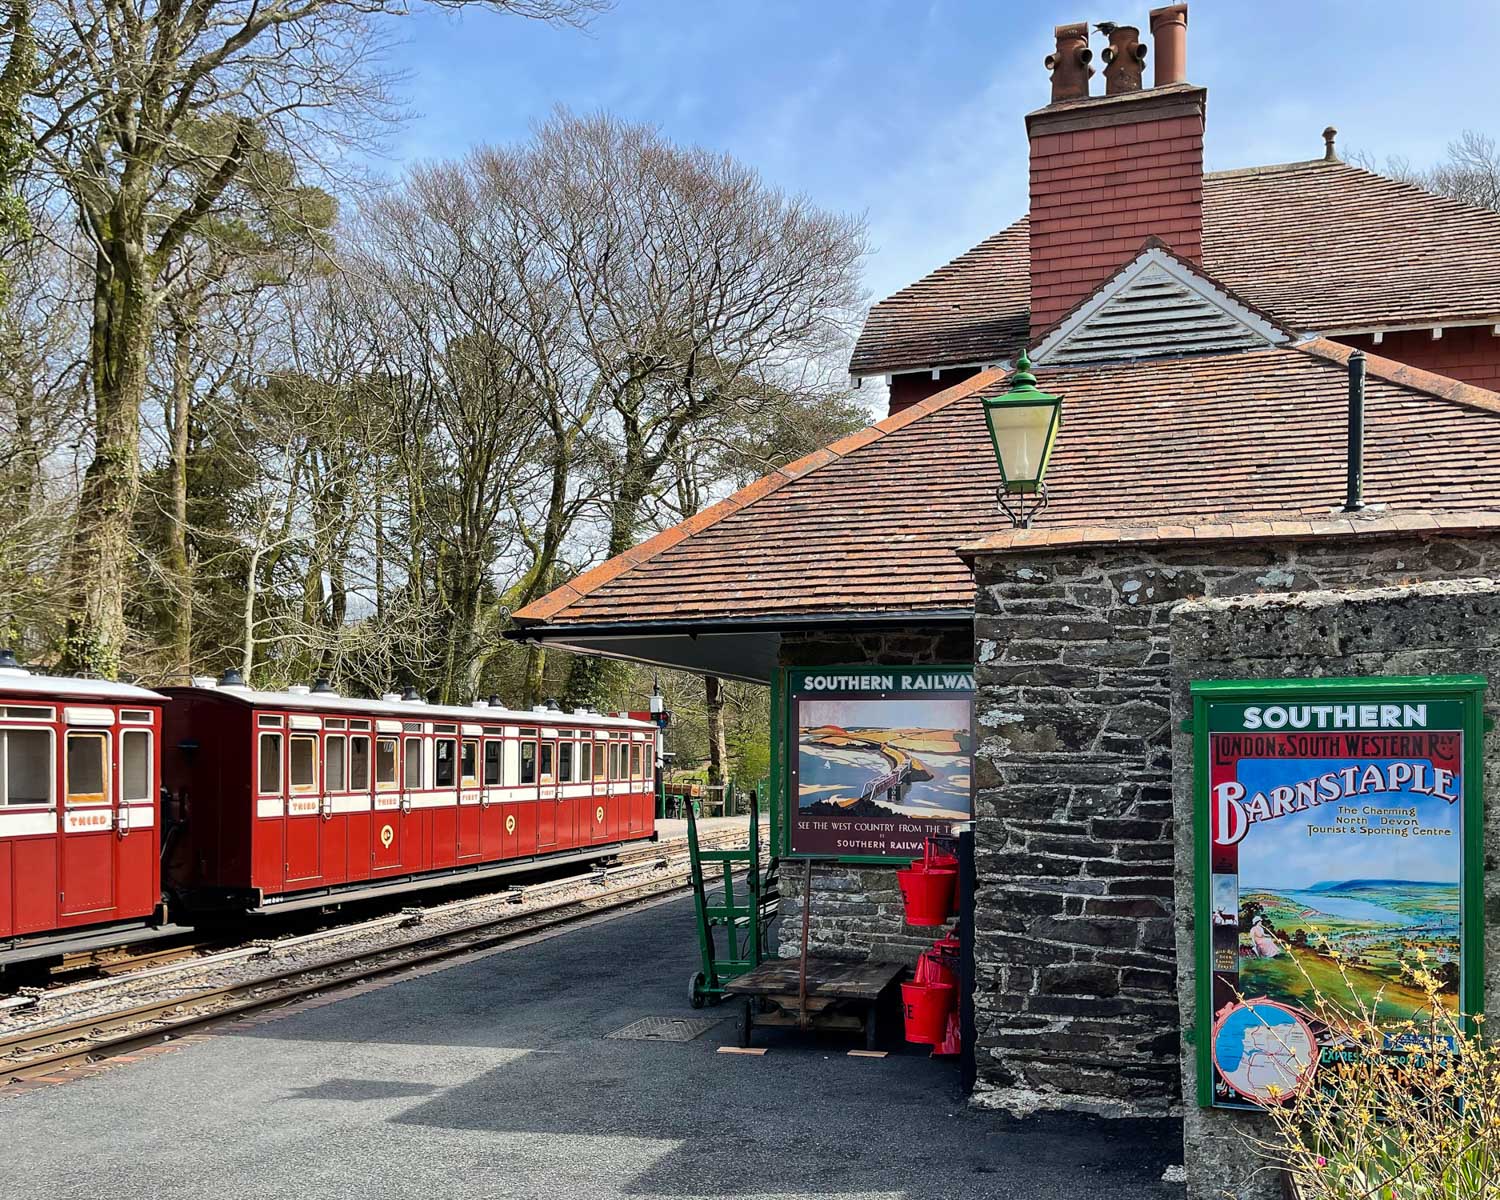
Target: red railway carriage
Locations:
point(79, 813)
point(305, 797)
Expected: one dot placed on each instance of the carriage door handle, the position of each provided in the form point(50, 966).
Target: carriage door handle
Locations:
point(405, 802)
point(122, 823)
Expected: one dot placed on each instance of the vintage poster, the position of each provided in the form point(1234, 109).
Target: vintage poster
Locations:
point(1341, 824)
point(880, 758)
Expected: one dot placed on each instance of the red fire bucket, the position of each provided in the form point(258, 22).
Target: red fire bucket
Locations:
point(952, 1041)
point(931, 968)
point(926, 1006)
point(928, 895)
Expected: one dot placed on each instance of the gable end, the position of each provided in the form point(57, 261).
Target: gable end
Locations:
point(1157, 306)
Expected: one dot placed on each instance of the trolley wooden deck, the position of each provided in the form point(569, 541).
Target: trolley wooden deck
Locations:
point(838, 995)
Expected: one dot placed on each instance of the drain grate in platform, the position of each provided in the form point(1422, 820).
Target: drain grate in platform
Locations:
point(666, 1029)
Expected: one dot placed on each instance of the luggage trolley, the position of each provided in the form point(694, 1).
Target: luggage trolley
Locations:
point(746, 922)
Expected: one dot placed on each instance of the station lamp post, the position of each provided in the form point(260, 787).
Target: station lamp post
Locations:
point(1023, 427)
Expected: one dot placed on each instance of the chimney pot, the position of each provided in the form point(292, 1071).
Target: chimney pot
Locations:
point(1169, 32)
point(1329, 153)
point(1123, 61)
point(1070, 63)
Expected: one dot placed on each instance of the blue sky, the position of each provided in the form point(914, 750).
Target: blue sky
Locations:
point(911, 112)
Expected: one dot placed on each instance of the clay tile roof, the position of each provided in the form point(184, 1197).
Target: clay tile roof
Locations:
point(1245, 443)
point(1320, 246)
point(974, 310)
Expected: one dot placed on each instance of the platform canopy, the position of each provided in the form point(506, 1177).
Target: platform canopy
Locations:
point(745, 649)
point(865, 534)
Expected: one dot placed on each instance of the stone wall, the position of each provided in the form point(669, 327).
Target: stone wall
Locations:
point(1076, 996)
point(856, 911)
point(1448, 628)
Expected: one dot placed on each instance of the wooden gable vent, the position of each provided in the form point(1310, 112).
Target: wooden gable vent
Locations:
point(1156, 306)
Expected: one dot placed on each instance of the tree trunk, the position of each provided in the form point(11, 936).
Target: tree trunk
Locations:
point(590, 678)
point(718, 748)
point(536, 676)
point(100, 558)
point(180, 631)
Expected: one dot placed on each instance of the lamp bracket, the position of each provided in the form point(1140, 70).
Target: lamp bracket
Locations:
point(1014, 506)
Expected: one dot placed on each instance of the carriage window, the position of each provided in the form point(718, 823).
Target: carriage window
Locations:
point(272, 722)
point(135, 765)
point(334, 763)
point(412, 779)
point(528, 762)
point(270, 764)
point(21, 712)
point(26, 766)
point(86, 770)
point(512, 771)
point(599, 749)
point(548, 749)
point(492, 764)
point(359, 724)
point(359, 764)
point(385, 763)
point(565, 762)
point(135, 716)
point(648, 765)
point(446, 762)
point(470, 765)
point(302, 764)
point(635, 762)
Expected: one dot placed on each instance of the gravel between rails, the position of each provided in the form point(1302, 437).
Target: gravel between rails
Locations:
point(306, 952)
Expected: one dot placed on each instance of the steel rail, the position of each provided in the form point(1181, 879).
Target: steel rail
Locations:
point(131, 968)
point(369, 964)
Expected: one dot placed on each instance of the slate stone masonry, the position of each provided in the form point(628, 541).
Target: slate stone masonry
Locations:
point(1076, 999)
point(1447, 628)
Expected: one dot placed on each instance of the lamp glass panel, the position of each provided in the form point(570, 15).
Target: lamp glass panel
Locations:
point(1020, 432)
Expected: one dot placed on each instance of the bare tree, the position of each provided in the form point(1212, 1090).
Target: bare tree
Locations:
point(122, 88)
point(692, 287)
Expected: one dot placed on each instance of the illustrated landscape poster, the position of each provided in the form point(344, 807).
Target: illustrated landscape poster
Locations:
point(881, 758)
point(1340, 839)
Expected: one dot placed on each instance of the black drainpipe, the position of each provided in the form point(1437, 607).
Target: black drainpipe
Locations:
point(1354, 492)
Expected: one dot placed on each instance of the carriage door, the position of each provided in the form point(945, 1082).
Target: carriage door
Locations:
point(546, 805)
point(470, 799)
point(87, 880)
point(304, 808)
point(491, 819)
point(633, 819)
point(385, 821)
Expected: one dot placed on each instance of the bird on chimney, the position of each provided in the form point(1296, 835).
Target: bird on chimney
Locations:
point(1106, 27)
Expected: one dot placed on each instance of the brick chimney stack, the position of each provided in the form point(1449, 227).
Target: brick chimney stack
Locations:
point(1109, 171)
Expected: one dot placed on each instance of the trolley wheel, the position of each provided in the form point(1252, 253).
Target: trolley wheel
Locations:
point(746, 1024)
point(695, 990)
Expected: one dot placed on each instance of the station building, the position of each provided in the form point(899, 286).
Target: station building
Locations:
point(1199, 328)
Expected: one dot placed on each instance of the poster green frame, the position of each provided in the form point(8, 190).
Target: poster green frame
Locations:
point(781, 740)
point(1468, 691)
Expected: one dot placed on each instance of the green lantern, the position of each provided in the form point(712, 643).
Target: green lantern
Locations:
point(1023, 426)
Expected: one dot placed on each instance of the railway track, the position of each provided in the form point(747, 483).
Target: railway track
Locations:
point(97, 969)
point(44, 1051)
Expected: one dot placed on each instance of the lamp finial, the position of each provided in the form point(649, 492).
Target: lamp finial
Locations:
point(1022, 376)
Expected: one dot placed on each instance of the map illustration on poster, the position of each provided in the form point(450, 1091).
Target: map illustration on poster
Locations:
point(881, 758)
point(1336, 818)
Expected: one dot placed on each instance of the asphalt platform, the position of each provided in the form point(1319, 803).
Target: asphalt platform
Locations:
point(494, 1077)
